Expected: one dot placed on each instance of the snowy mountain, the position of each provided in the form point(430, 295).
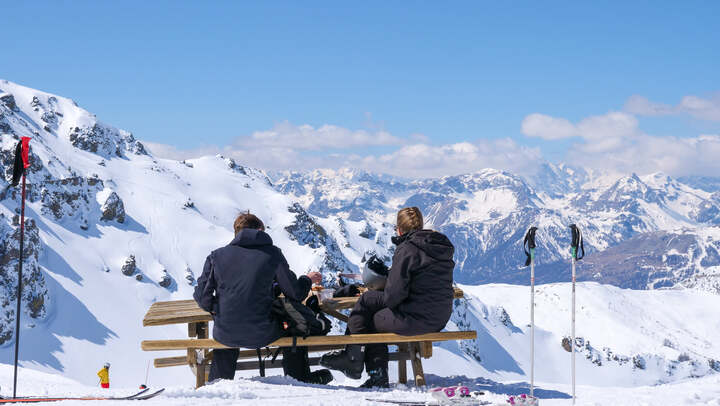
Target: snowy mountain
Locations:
point(112, 228)
point(486, 214)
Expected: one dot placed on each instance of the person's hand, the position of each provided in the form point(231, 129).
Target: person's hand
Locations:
point(315, 277)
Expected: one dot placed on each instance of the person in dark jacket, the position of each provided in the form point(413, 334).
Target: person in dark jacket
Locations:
point(238, 286)
point(417, 299)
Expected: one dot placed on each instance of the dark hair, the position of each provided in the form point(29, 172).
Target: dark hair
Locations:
point(409, 219)
point(247, 220)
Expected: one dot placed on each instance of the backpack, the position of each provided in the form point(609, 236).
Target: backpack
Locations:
point(299, 320)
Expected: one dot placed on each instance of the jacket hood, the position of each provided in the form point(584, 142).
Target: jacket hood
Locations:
point(434, 244)
point(249, 237)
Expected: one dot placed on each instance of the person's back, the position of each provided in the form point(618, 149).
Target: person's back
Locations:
point(238, 286)
point(417, 299)
point(425, 263)
point(244, 272)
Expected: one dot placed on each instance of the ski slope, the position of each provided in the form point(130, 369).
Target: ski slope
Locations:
point(276, 390)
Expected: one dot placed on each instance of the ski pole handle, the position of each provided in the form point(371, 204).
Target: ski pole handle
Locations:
point(576, 244)
point(529, 245)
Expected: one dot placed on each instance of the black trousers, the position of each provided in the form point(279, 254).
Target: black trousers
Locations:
point(295, 363)
point(370, 315)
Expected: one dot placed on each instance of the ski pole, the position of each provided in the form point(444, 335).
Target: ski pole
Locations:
point(529, 247)
point(22, 162)
point(575, 245)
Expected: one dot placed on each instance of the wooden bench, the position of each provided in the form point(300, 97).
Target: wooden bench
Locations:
point(199, 347)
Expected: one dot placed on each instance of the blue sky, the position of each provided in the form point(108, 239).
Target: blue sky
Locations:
point(199, 76)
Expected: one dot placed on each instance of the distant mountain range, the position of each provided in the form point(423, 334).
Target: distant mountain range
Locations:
point(640, 232)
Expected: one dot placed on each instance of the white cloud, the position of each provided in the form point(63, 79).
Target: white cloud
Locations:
point(614, 142)
point(303, 148)
point(547, 128)
point(611, 142)
point(422, 160)
point(698, 107)
point(307, 137)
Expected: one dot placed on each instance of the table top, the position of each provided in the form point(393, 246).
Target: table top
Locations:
point(187, 311)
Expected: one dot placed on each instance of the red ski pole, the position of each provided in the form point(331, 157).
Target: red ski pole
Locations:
point(24, 156)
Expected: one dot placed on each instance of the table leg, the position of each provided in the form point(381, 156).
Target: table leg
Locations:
point(198, 360)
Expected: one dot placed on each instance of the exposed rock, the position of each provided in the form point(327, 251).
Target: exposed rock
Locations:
point(68, 197)
point(105, 141)
point(305, 230)
point(566, 344)
point(9, 101)
point(139, 277)
point(189, 276)
point(165, 279)
point(639, 362)
point(233, 165)
point(368, 232)
point(35, 294)
point(113, 209)
point(188, 204)
point(130, 266)
point(49, 117)
point(35, 102)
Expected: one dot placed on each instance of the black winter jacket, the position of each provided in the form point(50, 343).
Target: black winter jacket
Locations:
point(237, 287)
point(420, 283)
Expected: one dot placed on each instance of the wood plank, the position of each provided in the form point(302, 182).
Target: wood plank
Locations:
point(170, 362)
point(176, 320)
point(187, 311)
point(383, 338)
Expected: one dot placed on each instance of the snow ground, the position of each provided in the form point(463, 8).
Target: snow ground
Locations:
point(277, 390)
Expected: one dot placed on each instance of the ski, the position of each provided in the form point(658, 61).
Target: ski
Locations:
point(150, 396)
point(136, 396)
point(468, 402)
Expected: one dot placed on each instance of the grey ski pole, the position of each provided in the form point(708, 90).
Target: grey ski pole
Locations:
point(529, 247)
point(576, 245)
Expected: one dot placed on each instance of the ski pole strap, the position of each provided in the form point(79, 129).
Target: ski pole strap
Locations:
point(577, 245)
point(529, 245)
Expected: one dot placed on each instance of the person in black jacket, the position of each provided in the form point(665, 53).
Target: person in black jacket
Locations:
point(238, 286)
point(417, 299)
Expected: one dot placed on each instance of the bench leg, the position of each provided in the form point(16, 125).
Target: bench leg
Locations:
point(418, 373)
point(402, 365)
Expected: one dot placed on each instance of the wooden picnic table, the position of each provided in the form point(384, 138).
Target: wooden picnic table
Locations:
point(199, 345)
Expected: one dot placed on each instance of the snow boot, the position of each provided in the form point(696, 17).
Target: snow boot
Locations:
point(348, 361)
point(378, 379)
point(320, 377)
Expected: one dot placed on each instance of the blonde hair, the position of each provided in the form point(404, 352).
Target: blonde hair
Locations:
point(409, 219)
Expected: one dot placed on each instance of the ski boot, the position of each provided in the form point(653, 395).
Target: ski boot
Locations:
point(378, 379)
point(348, 361)
point(450, 393)
point(523, 400)
point(320, 377)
